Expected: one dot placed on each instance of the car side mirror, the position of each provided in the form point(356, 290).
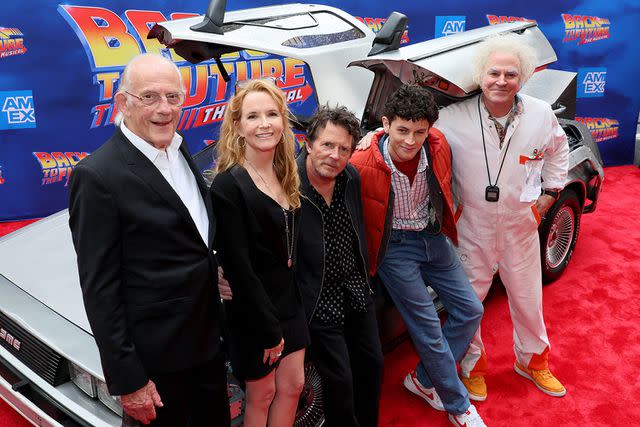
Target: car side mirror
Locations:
point(389, 36)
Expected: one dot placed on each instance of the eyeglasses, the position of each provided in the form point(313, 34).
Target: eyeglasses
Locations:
point(152, 98)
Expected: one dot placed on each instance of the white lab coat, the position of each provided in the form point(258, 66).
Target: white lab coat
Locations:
point(503, 234)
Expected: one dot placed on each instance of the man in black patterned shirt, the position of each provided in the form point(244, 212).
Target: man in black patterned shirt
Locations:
point(331, 271)
point(332, 274)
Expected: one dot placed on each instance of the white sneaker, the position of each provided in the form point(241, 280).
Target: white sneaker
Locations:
point(412, 384)
point(470, 418)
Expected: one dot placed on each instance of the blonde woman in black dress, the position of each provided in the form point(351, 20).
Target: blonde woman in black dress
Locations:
point(256, 203)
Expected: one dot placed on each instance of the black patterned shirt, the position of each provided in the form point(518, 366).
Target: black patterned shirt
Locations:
point(344, 283)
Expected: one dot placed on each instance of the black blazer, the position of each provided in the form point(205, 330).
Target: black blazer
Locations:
point(148, 279)
point(254, 258)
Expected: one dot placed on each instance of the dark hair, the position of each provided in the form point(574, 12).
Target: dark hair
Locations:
point(411, 102)
point(339, 116)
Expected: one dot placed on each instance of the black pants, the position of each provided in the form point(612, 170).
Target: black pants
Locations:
point(349, 360)
point(196, 397)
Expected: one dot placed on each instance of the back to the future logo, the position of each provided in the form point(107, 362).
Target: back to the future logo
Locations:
point(11, 42)
point(16, 110)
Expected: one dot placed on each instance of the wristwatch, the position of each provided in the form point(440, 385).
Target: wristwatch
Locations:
point(553, 193)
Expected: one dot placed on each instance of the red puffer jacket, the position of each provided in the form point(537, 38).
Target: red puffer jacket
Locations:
point(377, 196)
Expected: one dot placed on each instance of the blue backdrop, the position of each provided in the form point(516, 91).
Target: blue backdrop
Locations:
point(59, 65)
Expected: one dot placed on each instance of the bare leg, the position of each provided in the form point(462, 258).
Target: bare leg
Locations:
point(259, 395)
point(289, 385)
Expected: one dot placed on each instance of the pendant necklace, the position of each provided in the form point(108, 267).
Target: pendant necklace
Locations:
point(288, 237)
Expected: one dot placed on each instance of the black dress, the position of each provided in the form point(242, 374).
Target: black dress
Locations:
point(266, 304)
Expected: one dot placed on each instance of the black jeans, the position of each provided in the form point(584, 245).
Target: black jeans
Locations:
point(349, 360)
point(195, 397)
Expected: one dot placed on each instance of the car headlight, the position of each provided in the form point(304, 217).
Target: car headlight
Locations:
point(94, 388)
point(83, 380)
point(111, 402)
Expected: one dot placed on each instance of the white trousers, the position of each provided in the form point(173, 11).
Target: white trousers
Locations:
point(506, 240)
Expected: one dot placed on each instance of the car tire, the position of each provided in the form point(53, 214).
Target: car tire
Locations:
point(310, 412)
point(558, 235)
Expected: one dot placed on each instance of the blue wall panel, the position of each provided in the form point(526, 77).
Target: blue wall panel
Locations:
point(59, 65)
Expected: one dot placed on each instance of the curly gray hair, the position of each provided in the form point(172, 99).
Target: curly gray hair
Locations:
point(509, 43)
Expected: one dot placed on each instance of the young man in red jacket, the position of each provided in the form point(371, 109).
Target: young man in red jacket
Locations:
point(410, 227)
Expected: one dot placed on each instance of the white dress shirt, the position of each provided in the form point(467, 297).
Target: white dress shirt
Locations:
point(174, 168)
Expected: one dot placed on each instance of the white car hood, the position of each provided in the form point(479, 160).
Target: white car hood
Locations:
point(40, 259)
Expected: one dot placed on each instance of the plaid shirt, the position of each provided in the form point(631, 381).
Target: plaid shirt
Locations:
point(412, 209)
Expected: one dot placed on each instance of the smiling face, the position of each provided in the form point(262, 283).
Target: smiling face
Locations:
point(406, 137)
point(500, 82)
point(261, 122)
point(157, 123)
point(329, 153)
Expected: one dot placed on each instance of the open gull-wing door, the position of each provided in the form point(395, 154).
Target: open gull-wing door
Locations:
point(443, 65)
point(326, 39)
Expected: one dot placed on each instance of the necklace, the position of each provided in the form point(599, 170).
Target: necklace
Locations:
point(288, 237)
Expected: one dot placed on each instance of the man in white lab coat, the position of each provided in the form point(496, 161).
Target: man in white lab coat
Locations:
point(510, 161)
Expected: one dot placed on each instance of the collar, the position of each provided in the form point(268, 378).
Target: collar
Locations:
point(422, 164)
point(149, 150)
point(516, 110)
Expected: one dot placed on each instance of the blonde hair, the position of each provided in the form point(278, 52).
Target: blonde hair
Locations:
point(507, 43)
point(231, 151)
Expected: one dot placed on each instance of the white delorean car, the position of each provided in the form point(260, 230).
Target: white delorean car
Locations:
point(49, 365)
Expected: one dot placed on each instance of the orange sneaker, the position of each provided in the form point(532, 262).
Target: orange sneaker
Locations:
point(476, 387)
point(543, 379)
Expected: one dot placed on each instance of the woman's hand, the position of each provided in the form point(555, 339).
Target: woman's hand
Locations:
point(273, 354)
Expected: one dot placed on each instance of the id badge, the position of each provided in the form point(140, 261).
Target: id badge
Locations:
point(492, 193)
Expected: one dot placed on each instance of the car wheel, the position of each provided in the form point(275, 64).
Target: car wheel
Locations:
point(310, 411)
point(558, 235)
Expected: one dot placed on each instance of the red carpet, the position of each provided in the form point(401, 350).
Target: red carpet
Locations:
point(593, 324)
point(592, 319)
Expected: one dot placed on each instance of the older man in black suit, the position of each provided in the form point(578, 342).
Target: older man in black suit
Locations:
point(142, 229)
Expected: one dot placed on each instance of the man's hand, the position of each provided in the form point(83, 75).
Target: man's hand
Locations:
point(365, 142)
point(223, 286)
point(141, 404)
point(543, 203)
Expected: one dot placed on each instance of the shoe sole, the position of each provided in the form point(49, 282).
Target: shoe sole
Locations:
point(472, 396)
point(455, 423)
point(476, 397)
point(410, 386)
point(544, 390)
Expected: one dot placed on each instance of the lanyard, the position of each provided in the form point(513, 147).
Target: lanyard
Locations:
point(484, 146)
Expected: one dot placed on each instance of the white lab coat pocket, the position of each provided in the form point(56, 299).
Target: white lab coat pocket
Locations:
point(532, 187)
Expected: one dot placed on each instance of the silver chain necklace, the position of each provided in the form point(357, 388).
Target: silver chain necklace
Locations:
point(288, 237)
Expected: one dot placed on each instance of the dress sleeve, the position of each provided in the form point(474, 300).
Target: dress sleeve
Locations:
point(234, 242)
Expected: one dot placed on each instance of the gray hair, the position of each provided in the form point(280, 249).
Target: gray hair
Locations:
point(509, 43)
point(124, 76)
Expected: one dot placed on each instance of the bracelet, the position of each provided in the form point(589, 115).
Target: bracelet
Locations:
point(553, 193)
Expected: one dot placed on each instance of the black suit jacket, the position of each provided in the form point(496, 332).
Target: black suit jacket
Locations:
point(148, 279)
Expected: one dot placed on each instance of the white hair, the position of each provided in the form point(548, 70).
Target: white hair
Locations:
point(508, 43)
point(125, 80)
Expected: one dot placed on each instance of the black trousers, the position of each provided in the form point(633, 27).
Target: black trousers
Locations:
point(195, 397)
point(349, 360)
